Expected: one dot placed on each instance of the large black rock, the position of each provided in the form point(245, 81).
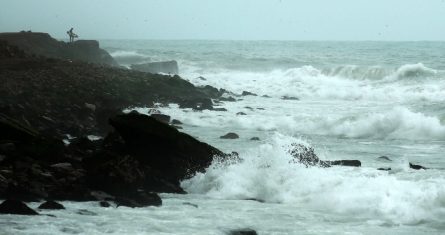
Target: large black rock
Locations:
point(16, 207)
point(162, 147)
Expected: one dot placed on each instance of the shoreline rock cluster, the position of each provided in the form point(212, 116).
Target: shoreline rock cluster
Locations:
point(48, 97)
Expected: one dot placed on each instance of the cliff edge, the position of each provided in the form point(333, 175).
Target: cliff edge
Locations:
point(42, 44)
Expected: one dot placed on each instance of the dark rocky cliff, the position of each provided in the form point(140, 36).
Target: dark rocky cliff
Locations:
point(42, 44)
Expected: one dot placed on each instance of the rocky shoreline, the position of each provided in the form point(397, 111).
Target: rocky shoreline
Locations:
point(48, 99)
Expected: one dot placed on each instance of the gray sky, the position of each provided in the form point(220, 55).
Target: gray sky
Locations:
point(230, 19)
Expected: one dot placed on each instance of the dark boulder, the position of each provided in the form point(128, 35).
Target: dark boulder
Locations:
point(51, 205)
point(255, 138)
point(161, 117)
point(162, 147)
point(104, 204)
point(355, 163)
point(241, 113)
point(16, 207)
point(289, 98)
point(416, 167)
point(306, 156)
point(245, 231)
point(229, 99)
point(170, 67)
point(196, 103)
point(384, 158)
point(139, 199)
point(229, 135)
point(246, 93)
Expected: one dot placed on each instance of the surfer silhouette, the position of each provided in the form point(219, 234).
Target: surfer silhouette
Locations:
point(71, 34)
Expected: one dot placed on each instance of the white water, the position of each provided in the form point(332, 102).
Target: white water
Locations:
point(357, 101)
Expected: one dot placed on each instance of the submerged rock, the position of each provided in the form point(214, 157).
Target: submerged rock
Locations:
point(245, 231)
point(255, 138)
point(416, 167)
point(384, 158)
point(289, 98)
point(306, 155)
point(355, 163)
point(246, 93)
point(229, 135)
point(16, 207)
point(51, 205)
point(139, 199)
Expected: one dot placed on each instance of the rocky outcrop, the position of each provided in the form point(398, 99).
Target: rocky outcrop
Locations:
point(306, 155)
point(169, 67)
point(142, 157)
point(77, 98)
point(16, 207)
point(42, 44)
point(51, 205)
point(230, 135)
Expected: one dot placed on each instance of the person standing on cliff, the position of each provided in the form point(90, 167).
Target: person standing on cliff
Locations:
point(71, 34)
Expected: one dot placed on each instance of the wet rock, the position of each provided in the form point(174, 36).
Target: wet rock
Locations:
point(64, 166)
point(289, 98)
point(211, 91)
point(247, 93)
point(139, 199)
point(255, 199)
point(16, 207)
point(158, 149)
point(228, 99)
point(196, 104)
point(255, 138)
point(161, 117)
point(384, 158)
point(101, 196)
point(104, 204)
point(169, 67)
point(249, 108)
point(416, 167)
point(261, 108)
point(202, 78)
point(241, 113)
point(86, 212)
point(246, 231)
point(384, 168)
point(306, 155)
point(176, 122)
point(51, 205)
point(229, 135)
point(220, 109)
point(355, 163)
point(190, 204)
point(266, 96)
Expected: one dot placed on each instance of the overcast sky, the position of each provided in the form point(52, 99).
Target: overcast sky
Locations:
point(230, 19)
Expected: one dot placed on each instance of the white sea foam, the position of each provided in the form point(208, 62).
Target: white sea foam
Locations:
point(398, 123)
point(308, 82)
point(267, 174)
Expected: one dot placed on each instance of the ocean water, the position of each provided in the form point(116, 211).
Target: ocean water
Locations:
point(357, 100)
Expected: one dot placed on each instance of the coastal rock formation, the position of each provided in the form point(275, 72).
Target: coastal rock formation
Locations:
point(42, 44)
point(229, 135)
point(76, 98)
point(16, 207)
point(51, 205)
point(306, 156)
point(169, 67)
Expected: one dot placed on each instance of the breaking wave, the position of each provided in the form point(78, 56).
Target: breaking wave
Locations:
point(267, 174)
point(398, 123)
